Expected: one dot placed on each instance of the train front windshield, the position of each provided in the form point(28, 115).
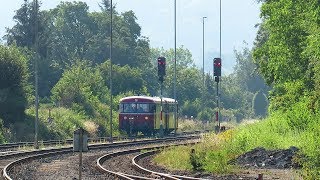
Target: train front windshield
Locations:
point(137, 108)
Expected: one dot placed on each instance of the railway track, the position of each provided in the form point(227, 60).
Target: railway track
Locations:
point(14, 161)
point(130, 169)
point(52, 143)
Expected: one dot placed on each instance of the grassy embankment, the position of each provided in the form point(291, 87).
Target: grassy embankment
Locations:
point(296, 127)
point(61, 126)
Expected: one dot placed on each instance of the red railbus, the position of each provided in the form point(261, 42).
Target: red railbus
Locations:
point(143, 114)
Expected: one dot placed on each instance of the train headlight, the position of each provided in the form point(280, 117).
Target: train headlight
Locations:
point(146, 118)
point(125, 118)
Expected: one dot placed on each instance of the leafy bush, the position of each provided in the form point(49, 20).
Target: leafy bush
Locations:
point(13, 85)
point(61, 126)
point(207, 114)
point(190, 108)
point(81, 87)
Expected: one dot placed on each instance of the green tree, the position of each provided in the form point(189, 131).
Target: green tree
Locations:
point(236, 98)
point(286, 51)
point(72, 30)
point(23, 33)
point(247, 75)
point(280, 52)
point(82, 88)
point(186, 72)
point(124, 78)
point(260, 104)
point(13, 85)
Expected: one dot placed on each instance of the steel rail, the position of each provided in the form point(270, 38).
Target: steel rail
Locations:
point(147, 171)
point(70, 141)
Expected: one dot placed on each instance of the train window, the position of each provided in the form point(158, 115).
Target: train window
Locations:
point(143, 108)
point(129, 107)
point(152, 108)
point(135, 108)
point(120, 108)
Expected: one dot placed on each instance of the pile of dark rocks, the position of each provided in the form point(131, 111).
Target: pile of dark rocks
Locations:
point(273, 159)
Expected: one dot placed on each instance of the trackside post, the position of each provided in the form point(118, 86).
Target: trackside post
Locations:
point(80, 144)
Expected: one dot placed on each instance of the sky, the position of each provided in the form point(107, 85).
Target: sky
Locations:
point(156, 18)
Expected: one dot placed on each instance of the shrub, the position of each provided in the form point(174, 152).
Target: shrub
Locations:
point(13, 85)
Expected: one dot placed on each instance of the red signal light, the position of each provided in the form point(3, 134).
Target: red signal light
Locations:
point(217, 66)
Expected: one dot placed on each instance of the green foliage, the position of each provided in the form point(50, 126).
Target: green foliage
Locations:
point(298, 126)
point(206, 114)
point(238, 88)
point(196, 160)
point(260, 104)
point(190, 108)
point(70, 32)
point(237, 99)
point(283, 96)
point(125, 78)
point(13, 85)
point(287, 54)
point(216, 162)
point(280, 56)
point(23, 32)
point(208, 156)
point(187, 82)
point(61, 126)
point(80, 88)
point(245, 72)
point(168, 157)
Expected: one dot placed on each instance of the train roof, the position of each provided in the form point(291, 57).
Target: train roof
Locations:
point(145, 99)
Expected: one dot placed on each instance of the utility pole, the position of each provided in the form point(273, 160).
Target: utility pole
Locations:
point(111, 11)
point(220, 74)
point(203, 77)
point(217, 78)
point(36, 38)
point(175, 69)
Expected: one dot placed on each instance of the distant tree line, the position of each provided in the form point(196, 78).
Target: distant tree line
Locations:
point(74, 68)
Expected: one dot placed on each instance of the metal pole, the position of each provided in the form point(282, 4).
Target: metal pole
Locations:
point(36, 145)
point(218, 98)
point(161, 111)
point(175, 67)
point(220, 29)
point(203, 77)
point(219, 77)
point(111, 11)
point(80, 152)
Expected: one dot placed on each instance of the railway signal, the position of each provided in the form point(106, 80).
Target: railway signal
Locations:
point(217, 67)
point(161, 74)
point(161, 68)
